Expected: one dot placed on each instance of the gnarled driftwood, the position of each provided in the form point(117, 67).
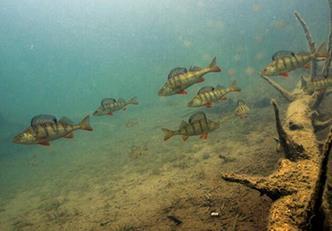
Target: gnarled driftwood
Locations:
point(297, 185)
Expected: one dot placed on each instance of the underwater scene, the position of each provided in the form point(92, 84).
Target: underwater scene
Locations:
point(202, 115)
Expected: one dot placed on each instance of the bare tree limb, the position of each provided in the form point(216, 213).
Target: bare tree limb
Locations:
point(279, 88)
point(327, 65)
point(311, 44)
point(319, 125)
point(262, 184)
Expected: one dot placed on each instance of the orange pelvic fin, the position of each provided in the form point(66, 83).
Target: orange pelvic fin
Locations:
point(307, 66)
point(110, 113)
point(208, 105)
point(182, 92)
point(204, 136)
point(284, 74)
point(44, 143)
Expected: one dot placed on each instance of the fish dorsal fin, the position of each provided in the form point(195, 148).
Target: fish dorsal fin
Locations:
point(195, 68)
point(66, 120)
point(183, 124)
point(233, 83)
point(282, 53)
point(177, 71)
point(197, 116)
point(205, 89)
point(43, 119)
point(219, 86)
point(107, 101)
point(121, 100)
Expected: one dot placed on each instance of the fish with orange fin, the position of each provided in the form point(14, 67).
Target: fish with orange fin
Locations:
point(45, 128)
point(206, 96)
point(179, 79)
point(286, 61)
point(310, 86)
point(197, 125)
point(110, 105)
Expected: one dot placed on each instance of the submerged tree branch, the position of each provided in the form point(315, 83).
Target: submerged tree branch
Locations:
point(327, 65)
point(311, 44)
point(319, 125)
point(262, 184)
point(279, 88)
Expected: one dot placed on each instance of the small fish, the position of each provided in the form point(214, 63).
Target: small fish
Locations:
point(286, 61)
point(110, 105)
point(242, 110)
point(44, 129)
point(198, 124)
point(180, 78)
point(208, 95)
point(315, 85)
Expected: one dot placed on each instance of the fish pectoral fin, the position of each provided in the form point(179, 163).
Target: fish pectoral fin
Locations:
point(69, 135)
point(110, 113)
point(44, 143)
point(223, 98)
point(284, 74)
point(184, 138)
point(124, 109)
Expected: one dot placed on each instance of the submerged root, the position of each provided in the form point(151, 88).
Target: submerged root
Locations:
point(320, 125)
point(264, 185)
point(292, 150)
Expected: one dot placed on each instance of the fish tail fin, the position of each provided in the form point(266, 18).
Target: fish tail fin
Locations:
point(133, 101)
point(85, 124)
point(321, 52)
point(233, 86)
point(213, 65)
point(167, 133)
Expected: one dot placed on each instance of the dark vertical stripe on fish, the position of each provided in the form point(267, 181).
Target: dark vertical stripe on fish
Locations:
point(200, 126)
point(193, 128)
point(287, 62)
point(46, 131)
point(294, 61)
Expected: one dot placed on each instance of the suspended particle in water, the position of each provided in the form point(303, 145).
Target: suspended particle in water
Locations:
point(187, 43)
point(231, 72)
point(279, 24)
point(259, 56)
point(249, 71)
point(256, 7)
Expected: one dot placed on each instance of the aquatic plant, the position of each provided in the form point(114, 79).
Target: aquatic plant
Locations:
point(297, 185)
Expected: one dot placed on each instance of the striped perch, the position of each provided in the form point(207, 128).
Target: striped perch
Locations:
point(45, 128)
point(198, 124)
point(208, 95)
point(180, 78)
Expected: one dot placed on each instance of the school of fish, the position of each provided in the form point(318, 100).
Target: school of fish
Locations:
point(45, 128)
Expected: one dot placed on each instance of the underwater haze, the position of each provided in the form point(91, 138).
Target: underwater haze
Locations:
point(63, 57)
